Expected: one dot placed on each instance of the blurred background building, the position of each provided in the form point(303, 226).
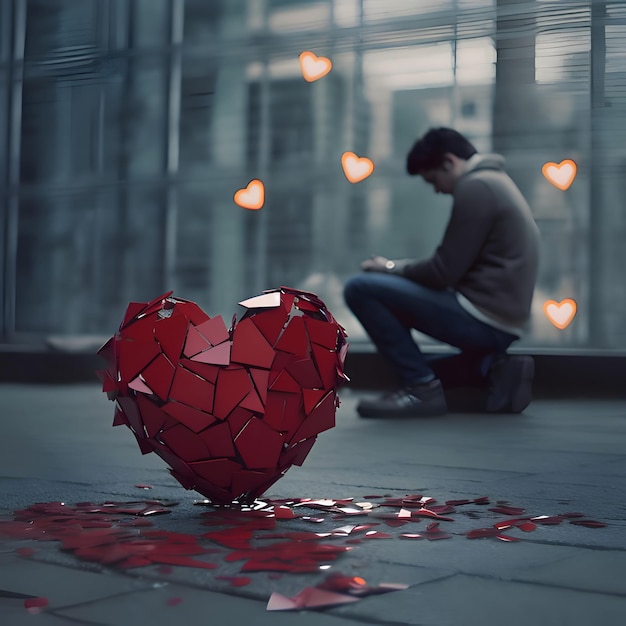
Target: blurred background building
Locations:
point(126, 126)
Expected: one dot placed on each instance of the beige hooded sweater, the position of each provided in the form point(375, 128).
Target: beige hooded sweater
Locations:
point(490, 250)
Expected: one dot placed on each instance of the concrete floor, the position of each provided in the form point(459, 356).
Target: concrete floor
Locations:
point(559, 456)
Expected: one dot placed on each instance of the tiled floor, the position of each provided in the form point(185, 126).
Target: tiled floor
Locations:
point(560, 456)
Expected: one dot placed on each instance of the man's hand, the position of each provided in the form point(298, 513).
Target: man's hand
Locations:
point(378, 264)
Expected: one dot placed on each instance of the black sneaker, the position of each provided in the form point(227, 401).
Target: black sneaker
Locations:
point(421, 400)
point(510, 384)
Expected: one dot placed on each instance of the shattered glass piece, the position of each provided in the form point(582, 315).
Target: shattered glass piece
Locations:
point(308, 598)
point(132, 311)
point(297, 453)
point(377, 534)
point(214, 330)
point(294, 339)
point(192, 390)
point(35, 605)
point(285, 382)
point(321, 418)
point(218, 472)
point(336, 589)
point(511, 522)
point(207, 371)
point(252, 402)
point(428, 513)
point(322, 333)
point(219, 355)
point(195, 343)
point(185, 443)
point(259, 445)
point(129, 408)
point(219, 440)
point(396, 523)
point(441, 509)
point(250, 346)
point(547, 519)
point(260, 379)
point(266, 300)
point(305, 372)
point(134, 356)
point(233, 385)
point(283, 512)
point(312, 398)
point(194, 419)
point(138, 385)
point(171, 336)
point(191, 311)
point(158, 376)
point(589, 523)
point(507, 510)
point(271, 325)
point(326, 361)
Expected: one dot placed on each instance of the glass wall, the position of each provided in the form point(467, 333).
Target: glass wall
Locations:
point(128, 125)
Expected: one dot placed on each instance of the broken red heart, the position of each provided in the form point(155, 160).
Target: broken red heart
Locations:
point(230, 410)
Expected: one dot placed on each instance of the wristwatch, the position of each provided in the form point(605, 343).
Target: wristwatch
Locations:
point(390, 265)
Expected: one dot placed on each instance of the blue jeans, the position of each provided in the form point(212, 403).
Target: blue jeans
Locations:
point(389, 306)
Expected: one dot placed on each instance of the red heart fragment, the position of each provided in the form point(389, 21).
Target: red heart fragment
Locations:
point(35, 605)
point(377, 534)
point(589, 523)
point(480, 533)
point(433, 532)
point(230, 410)
point(507, 538)
point(550, 520)
point(507, 510)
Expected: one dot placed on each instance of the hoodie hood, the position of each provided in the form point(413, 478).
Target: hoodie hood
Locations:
point(484, 162)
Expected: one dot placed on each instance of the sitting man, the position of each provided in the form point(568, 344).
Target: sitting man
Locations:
point(474, 293)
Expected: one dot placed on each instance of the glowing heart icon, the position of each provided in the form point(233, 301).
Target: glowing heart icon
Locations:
point(314, 67)
point(356, 168)
point(560, 313)
point(561, 175)
point(252, 197)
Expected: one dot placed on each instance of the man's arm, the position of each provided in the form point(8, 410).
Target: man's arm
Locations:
point(470, 222)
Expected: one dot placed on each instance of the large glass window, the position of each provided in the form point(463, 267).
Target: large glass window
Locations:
point(132, 123)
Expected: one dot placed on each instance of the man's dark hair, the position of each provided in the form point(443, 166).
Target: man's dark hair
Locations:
point(427, 153)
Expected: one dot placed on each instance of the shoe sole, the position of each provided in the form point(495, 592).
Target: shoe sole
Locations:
point(521, 396)
point(373, 413)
